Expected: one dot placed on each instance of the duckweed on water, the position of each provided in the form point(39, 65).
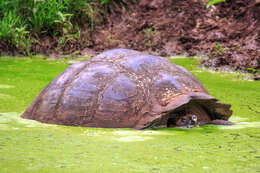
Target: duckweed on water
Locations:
point(30, 146)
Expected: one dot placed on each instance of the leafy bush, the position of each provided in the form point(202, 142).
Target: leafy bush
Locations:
point(22, 19)
point(42, 15)
point(14, 30)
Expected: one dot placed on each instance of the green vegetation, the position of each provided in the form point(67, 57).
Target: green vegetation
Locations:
point(214, 2)
point(151, 33)
point(253, 71)
point(21, 22)
point(219, 50)
point(30, 146)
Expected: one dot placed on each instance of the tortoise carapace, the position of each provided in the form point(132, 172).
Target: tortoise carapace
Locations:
point(123, 88)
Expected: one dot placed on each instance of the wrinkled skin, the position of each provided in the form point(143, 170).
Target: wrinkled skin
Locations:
point(123, 88)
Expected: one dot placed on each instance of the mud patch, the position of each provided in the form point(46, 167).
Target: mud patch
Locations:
point(228, 34)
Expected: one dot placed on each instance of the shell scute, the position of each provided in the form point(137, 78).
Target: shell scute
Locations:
point(166, 87)
point(119, 95)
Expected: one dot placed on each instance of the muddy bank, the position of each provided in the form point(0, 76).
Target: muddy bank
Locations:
point(227, 35)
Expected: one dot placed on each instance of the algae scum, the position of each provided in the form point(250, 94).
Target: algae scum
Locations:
point(30, 146)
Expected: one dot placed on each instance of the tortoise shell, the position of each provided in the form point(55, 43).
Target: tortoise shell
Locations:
point(124, 88)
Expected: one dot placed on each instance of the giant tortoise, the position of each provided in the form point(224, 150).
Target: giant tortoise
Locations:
point(123, 88)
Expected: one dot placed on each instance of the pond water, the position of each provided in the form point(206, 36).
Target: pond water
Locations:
point(30, 146)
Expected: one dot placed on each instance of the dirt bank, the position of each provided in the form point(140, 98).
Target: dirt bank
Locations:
point(227, 34)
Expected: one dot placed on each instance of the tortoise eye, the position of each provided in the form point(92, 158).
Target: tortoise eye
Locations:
point(194, 118)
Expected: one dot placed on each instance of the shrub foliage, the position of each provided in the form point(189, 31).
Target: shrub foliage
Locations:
point(20, 20)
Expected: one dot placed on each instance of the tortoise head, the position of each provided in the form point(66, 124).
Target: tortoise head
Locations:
point(188, 121)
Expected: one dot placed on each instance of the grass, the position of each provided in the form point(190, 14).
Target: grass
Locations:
point(29, 146)
point(22, 23)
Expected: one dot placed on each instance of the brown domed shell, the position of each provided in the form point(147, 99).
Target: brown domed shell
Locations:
point(121, 88)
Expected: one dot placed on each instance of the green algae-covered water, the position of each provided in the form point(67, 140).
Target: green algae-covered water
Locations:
point(30, 146)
